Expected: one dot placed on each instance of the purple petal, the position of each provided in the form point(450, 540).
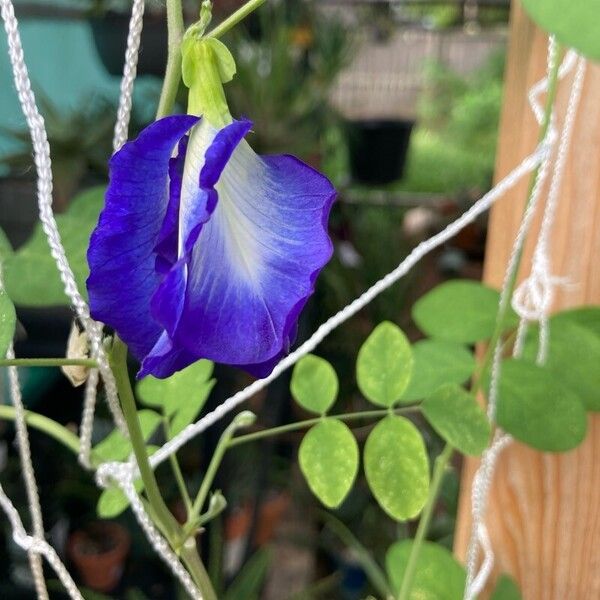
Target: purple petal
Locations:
point(198, 201)
point(253, 263)
point(121, 253)
point(166, 247)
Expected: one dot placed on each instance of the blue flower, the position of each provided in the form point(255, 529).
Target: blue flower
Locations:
point(205, 249)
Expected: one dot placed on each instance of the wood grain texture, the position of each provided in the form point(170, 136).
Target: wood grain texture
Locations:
point(544, 511)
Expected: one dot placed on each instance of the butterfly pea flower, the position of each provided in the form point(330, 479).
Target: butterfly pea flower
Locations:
point(205, 249)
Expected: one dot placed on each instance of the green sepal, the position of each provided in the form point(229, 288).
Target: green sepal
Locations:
point(206, 65)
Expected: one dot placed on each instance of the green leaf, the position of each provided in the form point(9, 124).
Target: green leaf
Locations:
point(438, 575)
point(506, 589)
point(573, 356)
point(328, 459)
point(116, 446)
point(249, 581)
point(190, 408)
point(537, 409)
point(384, 365)
point(461, 311)
point(8, 321)
point(397, 467)
point(171, 394)
point(587, 317)
point(573, 22)
point(457, 417)
point(314, 384)
point(30, 274)
point(113, 501)
point(437, 362)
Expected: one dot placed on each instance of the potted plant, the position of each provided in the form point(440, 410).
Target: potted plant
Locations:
point(110, 27)
point(378, 149)
point(99, 551)
point(284, 77)
point(80, 145)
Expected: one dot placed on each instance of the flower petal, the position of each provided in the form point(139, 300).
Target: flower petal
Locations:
point(254, 263)
point(209, 150)
point(121, 253)
point(166, 247)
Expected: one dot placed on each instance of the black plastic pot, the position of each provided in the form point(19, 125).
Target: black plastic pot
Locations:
point(110, 36)
point(378, 150)
point(18, 208)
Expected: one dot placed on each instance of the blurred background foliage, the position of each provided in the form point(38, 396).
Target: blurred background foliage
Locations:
point(290, 56)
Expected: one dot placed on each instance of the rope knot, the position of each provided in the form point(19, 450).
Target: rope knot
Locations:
point(533, 298)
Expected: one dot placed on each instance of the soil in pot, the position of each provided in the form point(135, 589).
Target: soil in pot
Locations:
point(378, 150)
point(99, 552)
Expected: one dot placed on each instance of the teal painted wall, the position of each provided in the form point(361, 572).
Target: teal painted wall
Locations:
point(63, 63)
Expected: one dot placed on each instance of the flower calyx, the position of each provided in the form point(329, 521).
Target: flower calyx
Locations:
point(207, 64)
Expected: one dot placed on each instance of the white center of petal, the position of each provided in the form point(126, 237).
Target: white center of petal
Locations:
point(235, 215)
point(200, 139)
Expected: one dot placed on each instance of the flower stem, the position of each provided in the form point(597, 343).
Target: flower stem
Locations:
point(178, 475)
point(239, 15)
point(46, 425)
point(441, 462)
point(211, 472)
point(166, 521)
point(191, 559)
point(118, 363)
point(367, 414)
point(175, 29)
point(48, 362)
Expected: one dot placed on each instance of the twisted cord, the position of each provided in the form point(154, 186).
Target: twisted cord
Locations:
point(31, 489)
point(86, 427)
point(41, 153)
point(532, 301)
point(37, 546)
point(136, 23)
point(129, 72)
point(33, 499)
point(476, 578)
point(479, 207)
point(122, 475)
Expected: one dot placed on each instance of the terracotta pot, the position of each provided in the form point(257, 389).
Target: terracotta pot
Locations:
point(270, 514)
point(99, 552)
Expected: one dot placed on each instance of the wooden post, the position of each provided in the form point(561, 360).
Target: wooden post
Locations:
point(544, 509)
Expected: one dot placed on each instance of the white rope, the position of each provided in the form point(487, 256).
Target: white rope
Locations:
point(136, 23)
point(129, 72)
point(479, 207)
point(483, 477)
point(41, 154)
point(122, 474)
point(33, 499)
point(86, 427)
point(37, 546)
point(532, 301)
